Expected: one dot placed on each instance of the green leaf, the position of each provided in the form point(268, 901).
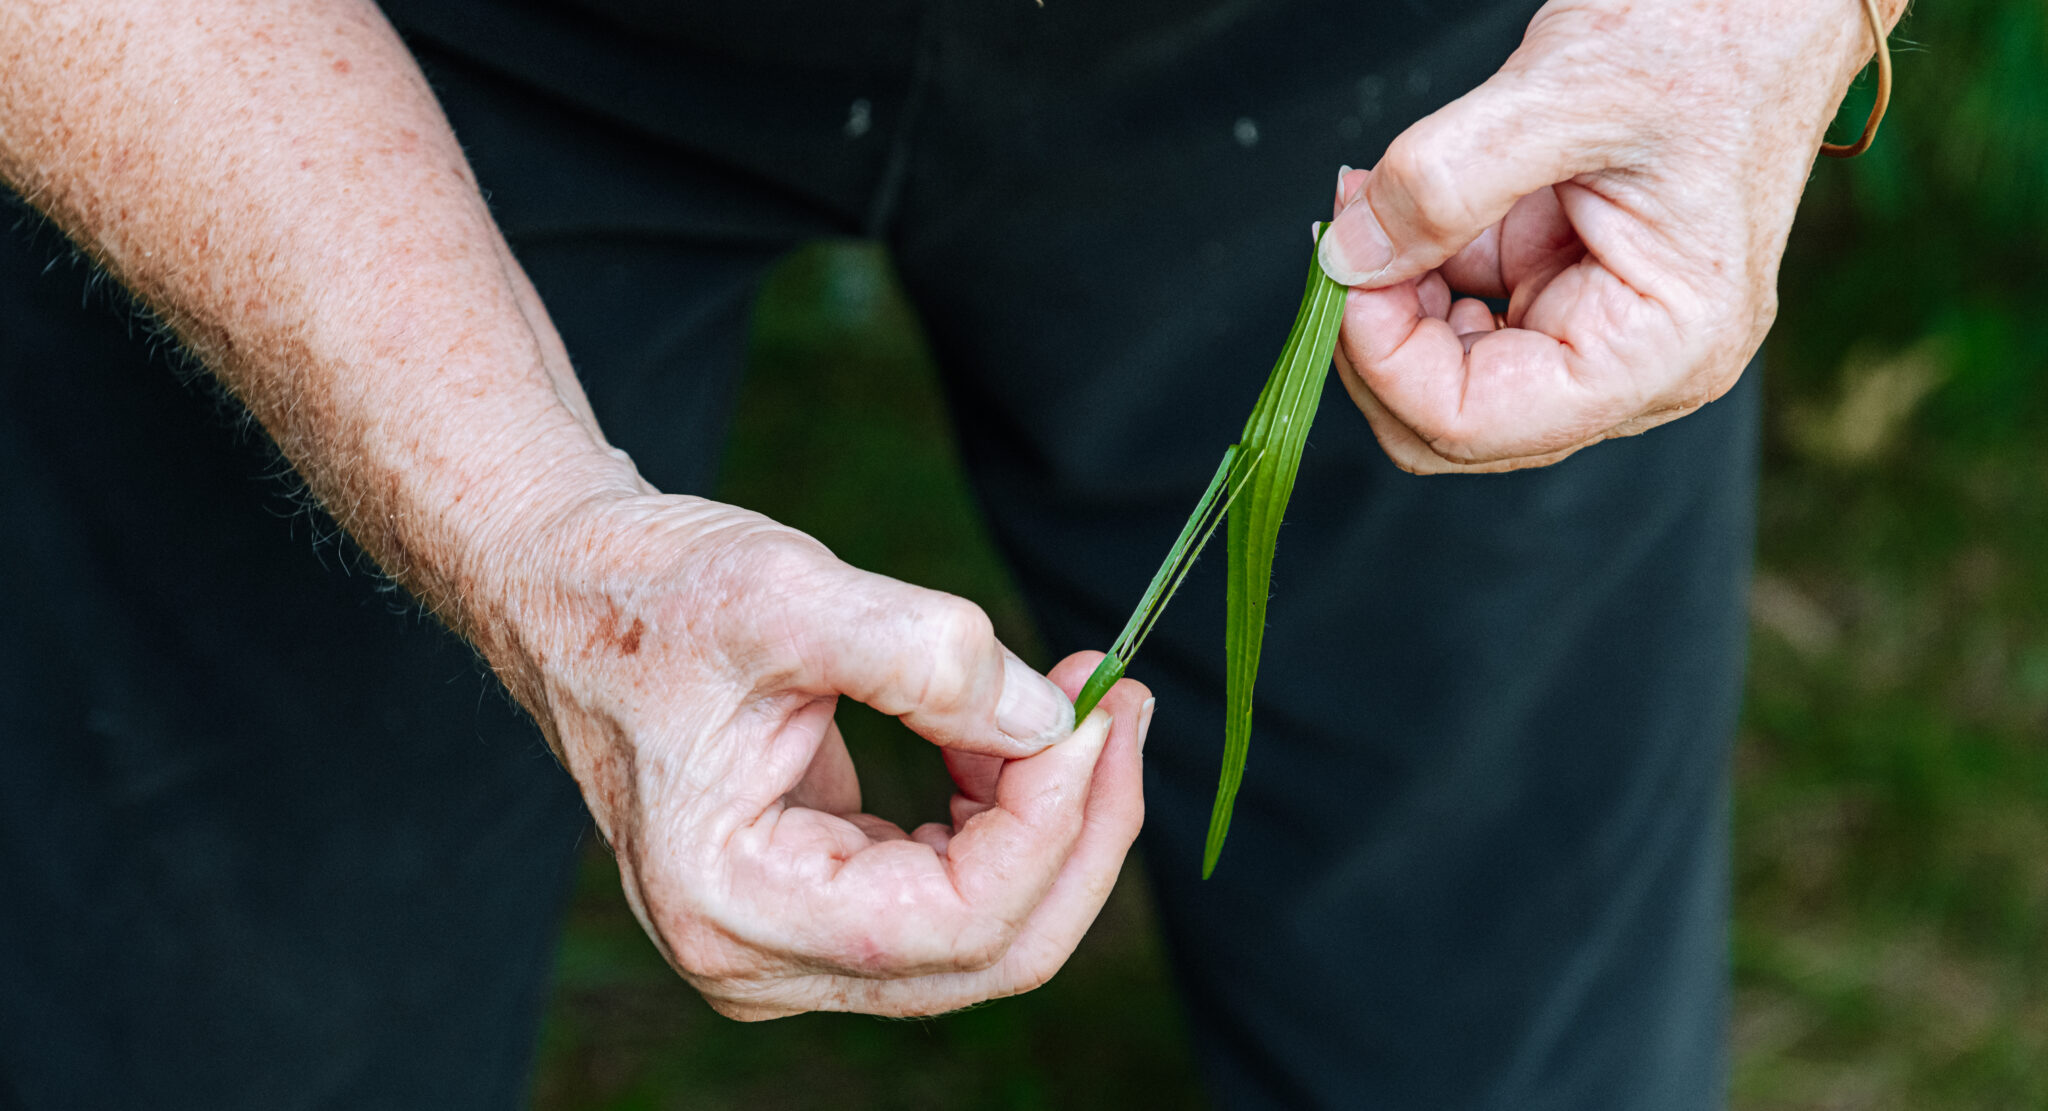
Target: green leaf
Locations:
point(1230, 478)
point(1099, 681)
point(1273, 438)
point(1263, 466)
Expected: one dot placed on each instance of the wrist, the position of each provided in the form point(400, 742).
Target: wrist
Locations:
point(504, 535)
point(593, 596)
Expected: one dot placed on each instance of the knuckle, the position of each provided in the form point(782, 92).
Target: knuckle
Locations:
point(1430, 187)
point(783, 564)
point(959, 625)
point(955, 633)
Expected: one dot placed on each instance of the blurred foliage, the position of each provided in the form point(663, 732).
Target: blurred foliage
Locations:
point(1938, 232)
point(1891, 936)
point(1891, 941)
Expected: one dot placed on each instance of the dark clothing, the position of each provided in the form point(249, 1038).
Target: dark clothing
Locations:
point(269, 842)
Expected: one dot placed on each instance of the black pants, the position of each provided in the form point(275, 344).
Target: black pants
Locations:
point(266, 841)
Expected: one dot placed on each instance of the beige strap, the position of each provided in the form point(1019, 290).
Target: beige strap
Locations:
point(1884, 91)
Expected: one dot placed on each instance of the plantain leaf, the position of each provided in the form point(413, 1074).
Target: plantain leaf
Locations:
point(1105, 675)
point(1262, 465)
point(1273, 437)
point(1230, 478)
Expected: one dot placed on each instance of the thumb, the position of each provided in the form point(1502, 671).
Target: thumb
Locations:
point(933, 660)
point(1452, 175)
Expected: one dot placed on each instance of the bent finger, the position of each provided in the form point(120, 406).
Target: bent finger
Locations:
point(830, 784)
point(893, 907)
point(1044, 942)
point(1470, 316)
point(1003, 860)
point(1515, 393)
point(1407, 450)
point(931, 659)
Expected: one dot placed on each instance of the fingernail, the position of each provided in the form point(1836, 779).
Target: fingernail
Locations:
point(1145, 721)
point(1031, 709)
point(1355, 250)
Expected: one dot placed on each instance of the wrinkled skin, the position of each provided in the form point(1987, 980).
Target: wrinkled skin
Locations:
point(691, 686)
point(1626, 183)
point(274, 178)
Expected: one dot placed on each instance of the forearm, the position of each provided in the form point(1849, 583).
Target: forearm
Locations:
point(277, 183)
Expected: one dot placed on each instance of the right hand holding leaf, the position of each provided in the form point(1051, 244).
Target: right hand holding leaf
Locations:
point(685, 659)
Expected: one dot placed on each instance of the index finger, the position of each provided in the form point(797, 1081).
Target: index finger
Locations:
point(1407, 450)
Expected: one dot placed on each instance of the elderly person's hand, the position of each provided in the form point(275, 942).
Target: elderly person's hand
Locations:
point(686, 658)
point(1626, 182)
point(278, 183)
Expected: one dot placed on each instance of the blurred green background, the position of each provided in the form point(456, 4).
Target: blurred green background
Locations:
point(1891, 937)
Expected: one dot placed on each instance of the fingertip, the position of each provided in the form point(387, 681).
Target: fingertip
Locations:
point(1355, 251)
point(1349, 184)
point(935, 836)
point(1032, 712)
point(1435, 295)
point(1470, 316)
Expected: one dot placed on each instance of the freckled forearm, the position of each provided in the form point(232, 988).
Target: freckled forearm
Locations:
point(276, 181)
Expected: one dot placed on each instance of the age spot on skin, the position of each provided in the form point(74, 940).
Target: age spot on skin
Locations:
point(608, 636)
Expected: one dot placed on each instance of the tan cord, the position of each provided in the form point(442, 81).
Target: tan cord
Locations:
point(1884, 91)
